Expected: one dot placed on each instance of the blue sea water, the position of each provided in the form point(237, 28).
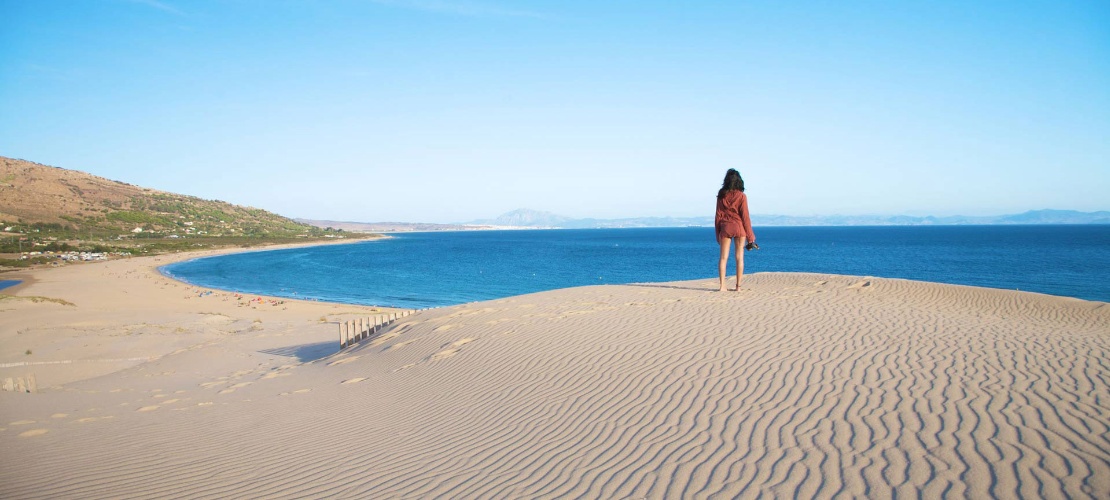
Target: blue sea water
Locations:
point(7, 283)
point(416, 270)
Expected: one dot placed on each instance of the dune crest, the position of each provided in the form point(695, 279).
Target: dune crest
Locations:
point(804, 385)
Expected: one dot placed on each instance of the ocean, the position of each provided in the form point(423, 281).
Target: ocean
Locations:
point(418, 270)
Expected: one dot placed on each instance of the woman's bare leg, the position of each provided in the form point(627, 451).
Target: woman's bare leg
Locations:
point(740, 243)
point(722, 265)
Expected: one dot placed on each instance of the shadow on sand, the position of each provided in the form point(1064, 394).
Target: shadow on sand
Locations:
point(650, 285)
point(305, 352)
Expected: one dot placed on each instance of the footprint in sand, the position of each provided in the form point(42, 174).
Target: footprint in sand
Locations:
point(499, 321)
point(383, 339)
point(298, 391)
point(860, 284)
point(59, 415)
point(240, 385)
point(206, 403)
point(459, 343)
point(33, 433)
point(92, 419)
point(22, 422)
point(410, 365)
point(148, 408)
point(353, 380)
point(209, 385)
point(341, 361)
point(443, 355)
point(274, 375)
point(398, 345)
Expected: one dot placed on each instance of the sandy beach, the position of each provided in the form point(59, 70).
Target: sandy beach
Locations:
point(801, 385)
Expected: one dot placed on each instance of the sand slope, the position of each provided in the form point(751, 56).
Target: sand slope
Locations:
point(99, 318)
point(802, 385)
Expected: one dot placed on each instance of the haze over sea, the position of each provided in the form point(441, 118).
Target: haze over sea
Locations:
point(416, 270)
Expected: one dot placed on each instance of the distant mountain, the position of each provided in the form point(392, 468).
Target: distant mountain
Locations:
point(536, 219)
point(524, 217)
point(638, 222)
point(378, 227)
point(1030, 217)
point(1056, 217)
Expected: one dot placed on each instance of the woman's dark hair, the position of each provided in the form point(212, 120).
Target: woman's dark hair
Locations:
point(733, 182)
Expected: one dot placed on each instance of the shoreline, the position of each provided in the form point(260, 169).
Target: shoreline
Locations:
point(205, 254)
point(25, 279)
point(216, 252)
point(78, 322)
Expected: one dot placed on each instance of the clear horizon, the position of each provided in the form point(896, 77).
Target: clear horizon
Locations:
point(447, 111)
point(491, 217)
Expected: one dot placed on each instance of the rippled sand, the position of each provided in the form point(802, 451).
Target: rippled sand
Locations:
point(799, 385)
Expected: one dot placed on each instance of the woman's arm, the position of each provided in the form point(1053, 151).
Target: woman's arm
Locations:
point(747, 220)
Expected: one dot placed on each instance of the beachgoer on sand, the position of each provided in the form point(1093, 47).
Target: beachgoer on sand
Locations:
point(733, 223)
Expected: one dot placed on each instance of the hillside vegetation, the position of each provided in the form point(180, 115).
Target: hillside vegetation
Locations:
point(50, 208)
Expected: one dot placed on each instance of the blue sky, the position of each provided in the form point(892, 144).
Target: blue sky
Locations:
point(453, 110)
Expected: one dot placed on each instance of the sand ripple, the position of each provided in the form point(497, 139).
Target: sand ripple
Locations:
point(802, 386)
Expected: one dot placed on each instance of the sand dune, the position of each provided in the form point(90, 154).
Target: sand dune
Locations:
point(801, 385)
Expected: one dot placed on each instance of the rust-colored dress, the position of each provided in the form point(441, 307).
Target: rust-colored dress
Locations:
point(732, 219)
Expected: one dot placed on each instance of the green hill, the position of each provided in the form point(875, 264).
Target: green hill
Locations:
point(50, 208)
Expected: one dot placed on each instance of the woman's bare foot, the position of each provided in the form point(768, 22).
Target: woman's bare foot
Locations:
point(723, 289)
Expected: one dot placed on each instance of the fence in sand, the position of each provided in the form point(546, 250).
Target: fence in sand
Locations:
point(20, 384)
point(354, 331)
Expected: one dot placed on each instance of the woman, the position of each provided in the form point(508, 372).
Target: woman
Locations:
point(732, 223)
